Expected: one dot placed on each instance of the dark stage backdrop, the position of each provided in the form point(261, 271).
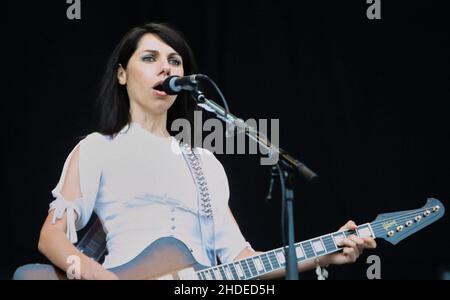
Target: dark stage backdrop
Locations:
point(365, 103)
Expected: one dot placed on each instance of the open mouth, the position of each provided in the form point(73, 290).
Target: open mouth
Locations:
point(158, 87)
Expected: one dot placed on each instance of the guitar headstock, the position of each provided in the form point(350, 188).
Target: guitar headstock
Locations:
point(395, 227)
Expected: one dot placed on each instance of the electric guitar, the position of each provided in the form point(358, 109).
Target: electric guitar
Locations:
point(169, 258)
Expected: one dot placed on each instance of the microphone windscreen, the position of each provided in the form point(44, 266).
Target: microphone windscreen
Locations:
point(167, 86)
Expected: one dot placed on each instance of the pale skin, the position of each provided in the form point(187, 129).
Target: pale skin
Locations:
point(152, 62)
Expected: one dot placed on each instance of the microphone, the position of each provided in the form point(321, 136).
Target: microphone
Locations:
point(174, 85)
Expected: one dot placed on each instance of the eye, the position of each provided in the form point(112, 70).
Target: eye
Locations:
point(149, 58)
point(175, 62)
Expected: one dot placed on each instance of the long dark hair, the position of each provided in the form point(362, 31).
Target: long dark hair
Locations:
point(113, 104)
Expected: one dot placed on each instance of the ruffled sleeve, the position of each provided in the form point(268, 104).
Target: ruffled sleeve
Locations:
point(72, 209)
point(79, 211)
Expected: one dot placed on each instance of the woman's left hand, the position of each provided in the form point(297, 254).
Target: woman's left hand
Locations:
point(353, 247)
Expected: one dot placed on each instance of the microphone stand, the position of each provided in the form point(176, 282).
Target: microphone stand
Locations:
point(287, 166)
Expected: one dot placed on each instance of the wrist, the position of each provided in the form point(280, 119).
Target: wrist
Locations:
point(323, 262)
point(91, 270)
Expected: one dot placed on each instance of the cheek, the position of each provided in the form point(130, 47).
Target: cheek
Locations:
point(142, 76)
point(178, 71)
point(139, 74)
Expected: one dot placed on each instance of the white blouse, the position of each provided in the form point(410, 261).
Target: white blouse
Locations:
point(141, 188)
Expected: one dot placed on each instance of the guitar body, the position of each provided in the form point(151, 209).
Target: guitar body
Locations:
point(163, 259)
point(166, 258)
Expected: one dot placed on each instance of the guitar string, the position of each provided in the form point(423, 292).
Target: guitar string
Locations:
point(407, 216)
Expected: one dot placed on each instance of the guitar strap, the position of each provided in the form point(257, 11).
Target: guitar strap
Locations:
point(205, 212)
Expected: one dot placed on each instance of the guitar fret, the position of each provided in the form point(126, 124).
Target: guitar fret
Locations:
point(222, 273)
point(228, 273)
point(259, 264)
point(207, 275)
point(338, 238)
point(300, 252)
point(268, 257)
point(239, 270)
point(329, 243)
point(364, 231)
point(204, 275)
point(266, 263)
point(217, 274)
point(350, 232)
point(201, 276)
point(273, 260)
point(281, 258)
point(252, 267)
point(212, 275)
point(318, 247)
point(234, 271)
point(246, 269)
point(309, 251)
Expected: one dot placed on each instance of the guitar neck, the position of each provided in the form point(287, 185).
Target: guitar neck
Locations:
point(392, 227)
point(274, 260)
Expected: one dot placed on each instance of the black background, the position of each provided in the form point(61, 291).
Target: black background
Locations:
point(365, 103)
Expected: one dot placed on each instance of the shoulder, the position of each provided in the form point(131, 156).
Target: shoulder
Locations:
point(210, 161)
point(94, 142)
point(95, 138)
point(207, 156)
point(93, 146)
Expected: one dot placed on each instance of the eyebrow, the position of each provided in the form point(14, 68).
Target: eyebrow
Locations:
point(157, 52)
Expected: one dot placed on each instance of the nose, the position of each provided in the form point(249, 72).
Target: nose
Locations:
point(166, 70)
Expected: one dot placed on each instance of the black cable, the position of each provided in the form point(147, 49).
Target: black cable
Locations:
point(216, 87)
point(283, 210)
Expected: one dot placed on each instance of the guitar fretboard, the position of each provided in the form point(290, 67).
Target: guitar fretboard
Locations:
point(271, 261)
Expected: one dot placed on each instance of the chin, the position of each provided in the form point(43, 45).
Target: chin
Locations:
point(161, 108)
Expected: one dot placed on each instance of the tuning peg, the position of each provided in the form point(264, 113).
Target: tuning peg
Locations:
point(391, 233)
point(436, 208)
point(418, 218)
point(409, 223)
point(427, 213)
point(400, 228)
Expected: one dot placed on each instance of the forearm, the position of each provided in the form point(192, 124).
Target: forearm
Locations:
point(54, 244)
